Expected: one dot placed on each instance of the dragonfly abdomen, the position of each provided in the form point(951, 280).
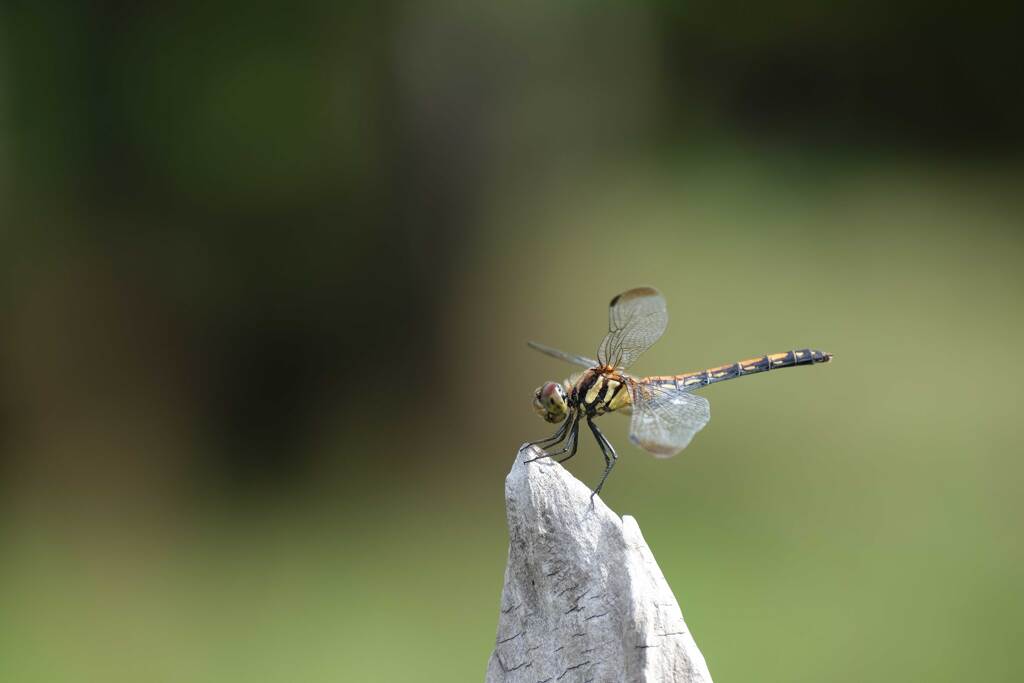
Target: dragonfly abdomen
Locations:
point(750, 366)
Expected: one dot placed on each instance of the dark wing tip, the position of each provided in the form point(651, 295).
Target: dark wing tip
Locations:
point(635, 293)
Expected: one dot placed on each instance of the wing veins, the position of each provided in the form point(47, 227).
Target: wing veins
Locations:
point(665, 419)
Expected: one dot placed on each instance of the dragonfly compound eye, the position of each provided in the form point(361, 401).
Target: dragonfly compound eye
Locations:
point(549, 401)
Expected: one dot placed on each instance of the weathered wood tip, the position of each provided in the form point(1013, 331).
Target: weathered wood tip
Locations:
point(584, 599)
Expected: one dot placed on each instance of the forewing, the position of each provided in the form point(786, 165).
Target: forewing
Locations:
point(568, 357)
point(665, 419)
point(636, 319)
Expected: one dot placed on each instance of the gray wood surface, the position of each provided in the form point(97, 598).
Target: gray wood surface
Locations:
point(584, 599)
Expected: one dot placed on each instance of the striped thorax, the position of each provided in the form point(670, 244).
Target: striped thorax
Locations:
point(601, 390)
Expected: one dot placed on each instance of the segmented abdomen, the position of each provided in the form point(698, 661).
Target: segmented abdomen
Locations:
point(751, 366)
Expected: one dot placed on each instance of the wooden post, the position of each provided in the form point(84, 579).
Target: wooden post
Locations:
point(584, 599)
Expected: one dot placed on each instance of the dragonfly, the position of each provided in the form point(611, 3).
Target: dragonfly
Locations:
point(665, 413)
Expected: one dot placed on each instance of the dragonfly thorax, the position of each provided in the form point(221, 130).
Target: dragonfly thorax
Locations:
point(600, 391)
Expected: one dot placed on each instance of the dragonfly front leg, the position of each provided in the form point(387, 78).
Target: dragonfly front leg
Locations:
point(571, 446)
point(607, 450)
point(571, 431)
point(555, 439)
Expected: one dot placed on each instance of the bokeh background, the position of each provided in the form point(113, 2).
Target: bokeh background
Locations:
point(268, 273)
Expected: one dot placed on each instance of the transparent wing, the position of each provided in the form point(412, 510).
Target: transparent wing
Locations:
point(636, 319)
point(568, 357)
point(666, 418)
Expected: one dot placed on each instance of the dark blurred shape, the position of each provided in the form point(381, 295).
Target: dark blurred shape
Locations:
point(913, 76)
point(255, 167)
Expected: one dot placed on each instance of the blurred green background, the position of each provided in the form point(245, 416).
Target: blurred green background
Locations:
point(268, 273)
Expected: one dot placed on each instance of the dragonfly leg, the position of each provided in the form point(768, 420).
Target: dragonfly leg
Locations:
point(571, 447)
point(607, 450)
point(571, 428)
point(555, 439)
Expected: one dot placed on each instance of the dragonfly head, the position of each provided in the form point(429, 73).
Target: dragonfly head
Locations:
point(551, 402)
